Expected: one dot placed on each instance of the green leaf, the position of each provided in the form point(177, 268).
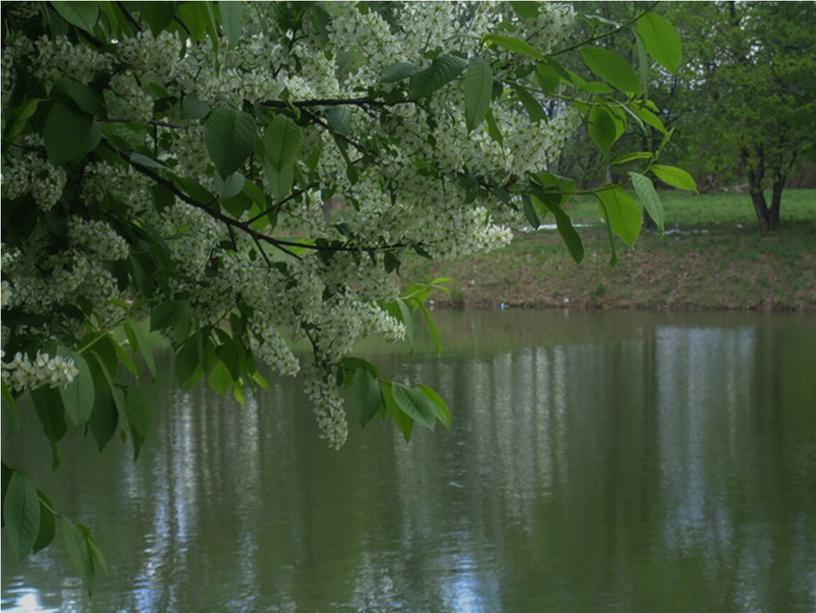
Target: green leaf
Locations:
point(232, 17)
point(612, 68)
point(441, 409)
point(414, 404)
point(140, 342)
point(45, 534)
point(143, 160)
point(602, 129)
point(9, 406)
point(531, 105)
point(220, 380)
point(647, 117)
point(139, 417)
point(78, 396)
point(50, 412)
point(192, 107)
point(158, 15)
point(165, 315)
point(442, 71)
point(229, 187)
point(676, 177)
point(515, 45)
point(530, 212)
point(88, 100)
point(648, 197)
point(83, 15)
point(429, 322)
point(19, 118)
point(563, 223)
point(78, 551)
point(403, 421)
point(69, 134)
point(525, 10)
point(282, 141)
point(625, 217)
point(105, 416)
point(478, 88)
point(21, 513)
point(493, 127)
point(188, 360)
point(399, 71)
point(339, 119)
point(230, 138)
point(547, 77)
point(279, 182)
point(196, 17)
point(366, 395)
point(661, 40)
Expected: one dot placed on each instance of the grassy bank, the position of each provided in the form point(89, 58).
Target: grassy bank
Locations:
point(712, 256)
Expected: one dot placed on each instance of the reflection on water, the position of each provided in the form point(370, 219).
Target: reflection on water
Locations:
point(597, 461)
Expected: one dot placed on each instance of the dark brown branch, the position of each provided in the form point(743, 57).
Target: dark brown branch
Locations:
point(278, 243)
point(363, 101)
point(152, 122)
point(324, 124)
point(276, 207)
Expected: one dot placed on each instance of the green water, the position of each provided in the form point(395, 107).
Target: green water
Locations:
point(598, 461)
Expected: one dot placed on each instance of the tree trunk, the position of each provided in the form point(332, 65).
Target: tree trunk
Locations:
point(761, 209)
point(756, 172)
point(776, 200)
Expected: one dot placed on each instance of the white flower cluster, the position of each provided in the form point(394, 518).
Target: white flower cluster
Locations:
point(328, 408)
point(30, 173)
point(22, 373)
point(268, 345)
point(154, 59)
point(126, 99)
point(98, 238)
point(56, 59)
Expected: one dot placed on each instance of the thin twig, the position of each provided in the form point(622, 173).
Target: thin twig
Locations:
point(597, 37)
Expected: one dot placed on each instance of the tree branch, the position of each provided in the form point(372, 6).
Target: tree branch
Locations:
point(597, 37)
point(278, 243)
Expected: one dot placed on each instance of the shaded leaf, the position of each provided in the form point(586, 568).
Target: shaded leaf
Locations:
point(83, 15)
point(21, 513)
point(399, 71)
point(645, 190)
point(602, 129)
point(230, 138)
point(69, 134)
point(366, 395)
point(442, 71)
point(78, 396)
point(478, 88)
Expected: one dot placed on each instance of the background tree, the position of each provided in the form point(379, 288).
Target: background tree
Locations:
point(166, 173)
point(745, 108)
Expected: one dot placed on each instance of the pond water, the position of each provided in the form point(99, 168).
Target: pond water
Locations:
point(597, 461)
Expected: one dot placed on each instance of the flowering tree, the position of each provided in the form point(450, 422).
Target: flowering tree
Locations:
point(240, 177)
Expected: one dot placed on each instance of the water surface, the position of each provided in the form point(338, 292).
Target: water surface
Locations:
point(597, 461)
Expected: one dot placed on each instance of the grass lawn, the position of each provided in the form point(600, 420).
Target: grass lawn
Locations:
point(712, 256)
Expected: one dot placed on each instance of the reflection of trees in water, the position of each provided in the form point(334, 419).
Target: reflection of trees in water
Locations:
point(652, 467)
